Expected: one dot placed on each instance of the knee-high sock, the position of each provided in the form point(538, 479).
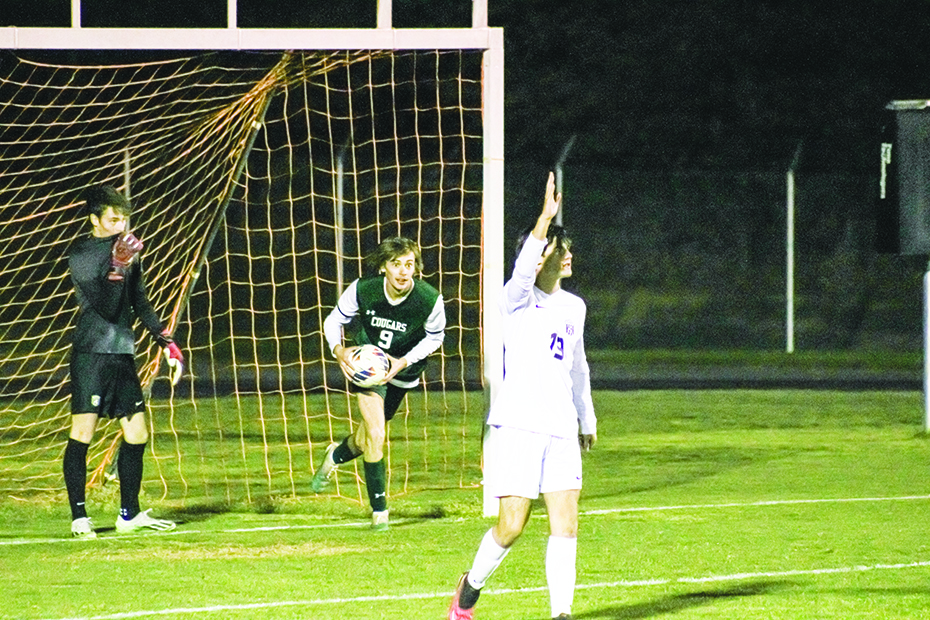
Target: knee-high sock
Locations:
point(376, 482)
point(343, 452)
point(487, 559)
point(560, 573)
point(75, 469)
point(129, 466)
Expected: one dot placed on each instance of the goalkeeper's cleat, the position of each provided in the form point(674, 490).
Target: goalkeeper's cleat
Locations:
point(464, 594)
point(379, 521)
point(111, 474)
point(325, 472)
point(143, 521)
point(83, 529)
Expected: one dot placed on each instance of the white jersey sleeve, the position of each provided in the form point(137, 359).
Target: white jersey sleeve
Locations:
point(581, 390)
point(340, 316)
point(435, 333)
point(518, 290)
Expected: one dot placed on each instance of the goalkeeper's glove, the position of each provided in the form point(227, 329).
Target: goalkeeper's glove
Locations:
point(173, 356)
point(125, 249)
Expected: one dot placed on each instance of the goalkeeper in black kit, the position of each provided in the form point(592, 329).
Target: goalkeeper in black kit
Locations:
point(405, 317)
point(110, 288)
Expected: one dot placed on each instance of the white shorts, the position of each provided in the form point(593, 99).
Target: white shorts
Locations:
point(525, 464)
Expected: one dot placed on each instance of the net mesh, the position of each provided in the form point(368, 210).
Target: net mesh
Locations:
point(259, 182)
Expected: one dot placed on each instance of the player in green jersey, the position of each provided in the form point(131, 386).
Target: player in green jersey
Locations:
point(404, 316)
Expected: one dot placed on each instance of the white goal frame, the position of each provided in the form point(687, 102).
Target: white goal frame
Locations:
point(383, 37)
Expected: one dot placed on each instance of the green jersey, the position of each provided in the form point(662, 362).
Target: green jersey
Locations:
point(411, 328)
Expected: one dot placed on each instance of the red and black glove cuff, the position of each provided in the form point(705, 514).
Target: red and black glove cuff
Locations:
point(164, 339)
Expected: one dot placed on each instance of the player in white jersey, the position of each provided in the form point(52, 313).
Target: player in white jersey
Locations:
point(542, 417)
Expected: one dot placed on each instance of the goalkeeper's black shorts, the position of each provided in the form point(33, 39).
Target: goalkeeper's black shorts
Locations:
point(106, 384)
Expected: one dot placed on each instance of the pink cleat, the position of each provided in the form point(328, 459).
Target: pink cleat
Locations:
point(455, 611)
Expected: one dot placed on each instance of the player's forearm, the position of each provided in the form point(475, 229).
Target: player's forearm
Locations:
point(143, 309)
point(340, 316)
point(581, 389)
point(551, 206)
point(587, 420)
point(424, 348)
point(524, 274)
point(541, 229)
point(332, 331)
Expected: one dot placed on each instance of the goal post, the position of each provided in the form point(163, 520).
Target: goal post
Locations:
point(232, 157)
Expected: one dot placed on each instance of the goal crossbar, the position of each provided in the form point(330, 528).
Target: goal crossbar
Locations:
point(247, 38)
point(384, 36)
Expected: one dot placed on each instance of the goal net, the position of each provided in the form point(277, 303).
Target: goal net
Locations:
point(259, 181)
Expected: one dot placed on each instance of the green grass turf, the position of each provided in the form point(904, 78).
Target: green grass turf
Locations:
point(697, 504)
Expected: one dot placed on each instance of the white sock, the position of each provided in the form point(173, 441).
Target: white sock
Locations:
point(489, 557)
point(560, 573)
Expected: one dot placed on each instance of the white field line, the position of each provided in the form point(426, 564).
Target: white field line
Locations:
point(185, 531)
point(774, 502)
point(433, 595)
point(603, 511)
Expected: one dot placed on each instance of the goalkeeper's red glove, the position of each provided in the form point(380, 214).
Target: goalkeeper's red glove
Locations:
point(173, 356)
point(125, 249)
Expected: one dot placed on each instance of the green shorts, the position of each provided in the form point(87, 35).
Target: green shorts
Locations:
point(392, 396)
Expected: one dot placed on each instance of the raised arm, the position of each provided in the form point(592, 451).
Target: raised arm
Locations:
point(517, 289)
point(550, 208)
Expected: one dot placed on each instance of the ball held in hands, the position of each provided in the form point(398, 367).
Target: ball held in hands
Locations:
point(370, 365)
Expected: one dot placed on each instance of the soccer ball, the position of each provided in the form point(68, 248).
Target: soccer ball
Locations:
point(369, 366)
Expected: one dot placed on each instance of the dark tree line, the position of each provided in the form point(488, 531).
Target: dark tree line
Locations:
point(686, 113)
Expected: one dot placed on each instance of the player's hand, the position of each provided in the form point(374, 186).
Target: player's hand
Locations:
point(553, 201)
point(125, 249)
point(397, 364)
point(344, 354)
point(174, 357)
point(587, 441)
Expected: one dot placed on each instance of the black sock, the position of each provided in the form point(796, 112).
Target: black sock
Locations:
point(469, 596)
point(343, 453)
point(375, 480)
point(75, 468)
point(129, 466)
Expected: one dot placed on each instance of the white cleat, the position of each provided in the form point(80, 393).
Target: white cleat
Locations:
point(143, 521)
point(83, 529)
point(379, 521)
point(325, 472)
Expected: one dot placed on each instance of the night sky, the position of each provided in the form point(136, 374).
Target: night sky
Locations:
point(642, 83)
point(686, 115)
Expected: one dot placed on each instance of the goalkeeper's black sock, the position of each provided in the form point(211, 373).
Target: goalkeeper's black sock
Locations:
point(375, 480)
point(343, 453)
point(75, 469)
point(129, 466)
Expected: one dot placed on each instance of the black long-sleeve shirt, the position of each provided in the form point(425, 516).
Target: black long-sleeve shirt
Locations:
point(107, 308)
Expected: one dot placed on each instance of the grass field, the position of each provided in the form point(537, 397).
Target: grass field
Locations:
point(697, 504)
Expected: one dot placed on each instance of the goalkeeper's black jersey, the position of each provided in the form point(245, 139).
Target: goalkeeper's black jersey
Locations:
point(107, 309)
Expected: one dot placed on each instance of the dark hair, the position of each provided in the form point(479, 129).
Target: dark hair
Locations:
point(389, 249)
point(99, 197)
point(556, 234)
